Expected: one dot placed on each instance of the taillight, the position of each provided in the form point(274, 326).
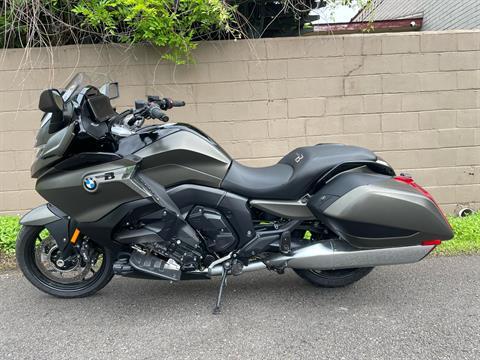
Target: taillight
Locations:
point(412, 183)
point(431, 242)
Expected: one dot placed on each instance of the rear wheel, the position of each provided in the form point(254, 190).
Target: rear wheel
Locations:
point(41, 262)
point(333, 278)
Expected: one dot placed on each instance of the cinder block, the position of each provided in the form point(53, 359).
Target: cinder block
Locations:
point(270, 148)
point(400, 43)
point(398, 83)
point(353, 44)
point(344, 105)
point(468, 118)
point(466, 60)
point(413, 63)
point(468, 41)
point(432, 81)
point(231, 91)
point(380, 64)
point(321, 67)
point(328, 86)
point(438, 42)
point(324, 125)
point(372, 103)
point(456, 137)
point(371, 45)
point(250, 130)
point(284, 128)
point(400, 122)
point(468, 79)
point(257, 70)
point(444, 119)
point(276, 69)
point(277, 89)
point(360, 85)
point(229, 71)
point(323, 46)
point(366, 124)
point(277, 109)
point(238, 149)
point(285, 48)
point(306, 107)
point(220, 131)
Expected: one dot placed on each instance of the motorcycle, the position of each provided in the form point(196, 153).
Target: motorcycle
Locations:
point(165, 201)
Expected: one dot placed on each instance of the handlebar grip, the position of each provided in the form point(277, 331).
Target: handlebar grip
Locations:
point(156, 113)
point(178, 103)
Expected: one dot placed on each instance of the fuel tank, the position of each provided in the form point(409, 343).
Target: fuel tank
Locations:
point(372, 210)
point(174, 154)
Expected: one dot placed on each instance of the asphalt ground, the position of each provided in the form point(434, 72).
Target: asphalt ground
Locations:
point(428, 310)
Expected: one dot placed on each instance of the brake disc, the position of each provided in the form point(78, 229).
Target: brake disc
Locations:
point(71, 270)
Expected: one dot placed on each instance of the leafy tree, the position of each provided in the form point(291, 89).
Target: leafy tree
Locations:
point(175, 25)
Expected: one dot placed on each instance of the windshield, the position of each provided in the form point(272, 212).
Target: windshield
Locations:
point(75, 85)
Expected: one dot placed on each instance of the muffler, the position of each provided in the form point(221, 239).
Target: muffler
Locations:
point(337, 254)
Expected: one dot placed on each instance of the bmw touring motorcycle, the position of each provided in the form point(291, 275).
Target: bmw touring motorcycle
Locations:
point(165, 201)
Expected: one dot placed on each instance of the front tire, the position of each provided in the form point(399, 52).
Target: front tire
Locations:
point(333, 278)
point(27, 258)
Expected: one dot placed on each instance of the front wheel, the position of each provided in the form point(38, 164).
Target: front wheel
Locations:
point(333, 278)
point(42, 264)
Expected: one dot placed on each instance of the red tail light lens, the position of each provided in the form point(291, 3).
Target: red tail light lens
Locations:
point(412, 183)
point(431, 242)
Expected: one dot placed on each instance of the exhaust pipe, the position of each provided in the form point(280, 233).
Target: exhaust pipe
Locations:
point(337, 254)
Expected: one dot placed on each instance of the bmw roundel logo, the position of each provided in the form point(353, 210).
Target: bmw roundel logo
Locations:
point(90, 184)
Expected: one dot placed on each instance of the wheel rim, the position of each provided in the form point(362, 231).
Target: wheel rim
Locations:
point(73, 274)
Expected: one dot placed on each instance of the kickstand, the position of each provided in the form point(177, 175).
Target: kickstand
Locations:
point(223, 283)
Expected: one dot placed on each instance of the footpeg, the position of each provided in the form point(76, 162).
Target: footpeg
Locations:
point(155, 266)
point(122, 267)
point(286, 242)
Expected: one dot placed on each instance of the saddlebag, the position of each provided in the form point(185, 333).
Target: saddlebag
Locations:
point(371, 210)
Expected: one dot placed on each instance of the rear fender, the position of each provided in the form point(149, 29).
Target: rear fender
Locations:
point(54, 220)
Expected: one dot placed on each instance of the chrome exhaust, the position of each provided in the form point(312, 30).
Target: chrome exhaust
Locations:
point(337, 254)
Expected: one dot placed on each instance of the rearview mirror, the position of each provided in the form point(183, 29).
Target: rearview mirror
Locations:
point(111, 90)
point(51, 101)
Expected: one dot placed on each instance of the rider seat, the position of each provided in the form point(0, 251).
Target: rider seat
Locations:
point(294, 174)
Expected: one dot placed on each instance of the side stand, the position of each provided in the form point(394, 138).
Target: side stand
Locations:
point(223, 283)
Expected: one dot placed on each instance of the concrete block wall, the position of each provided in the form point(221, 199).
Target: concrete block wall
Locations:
point(414, 98)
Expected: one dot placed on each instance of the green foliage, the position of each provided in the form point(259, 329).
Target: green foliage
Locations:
point(166, 23)
point(467, 236)
point(9, 228)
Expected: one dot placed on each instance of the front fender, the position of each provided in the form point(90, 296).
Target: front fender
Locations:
point(54, 220)
point(40, 216)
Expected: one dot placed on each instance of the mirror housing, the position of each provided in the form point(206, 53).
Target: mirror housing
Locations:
point(51, 101)
point(111, 90)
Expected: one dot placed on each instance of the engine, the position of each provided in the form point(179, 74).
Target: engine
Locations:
point(164, 235)
point(215, 229)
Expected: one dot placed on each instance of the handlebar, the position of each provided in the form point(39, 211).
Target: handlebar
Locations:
point(156, 113)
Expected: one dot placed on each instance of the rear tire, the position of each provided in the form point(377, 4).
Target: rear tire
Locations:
point(333, 278)
point(25, 253)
